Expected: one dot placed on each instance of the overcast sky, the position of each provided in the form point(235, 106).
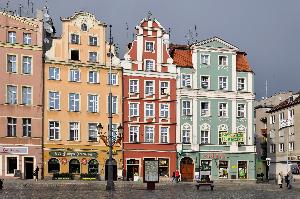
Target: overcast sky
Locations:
point(268, 30)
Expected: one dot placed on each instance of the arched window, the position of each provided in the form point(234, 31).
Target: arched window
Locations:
point(223, 130)
point(53, 165)
point(93, 166)
point(83, 27)
point(74, 166)
point(241, 133)
point(186, 134)
point(205, 133)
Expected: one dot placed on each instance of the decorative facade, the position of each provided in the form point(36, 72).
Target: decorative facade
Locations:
point(77, 84)
point(149, 93)
point(21, 87)
point(215, 96)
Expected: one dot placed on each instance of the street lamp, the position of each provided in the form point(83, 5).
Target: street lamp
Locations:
point(109, 142)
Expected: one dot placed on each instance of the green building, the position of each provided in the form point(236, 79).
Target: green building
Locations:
point(215, 129)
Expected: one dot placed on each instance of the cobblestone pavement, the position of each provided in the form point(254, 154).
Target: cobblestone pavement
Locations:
point(130, 190)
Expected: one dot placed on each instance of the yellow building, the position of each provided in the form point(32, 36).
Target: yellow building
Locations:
point(76, 81)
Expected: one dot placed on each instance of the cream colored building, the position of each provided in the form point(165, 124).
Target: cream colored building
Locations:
point(76, 98)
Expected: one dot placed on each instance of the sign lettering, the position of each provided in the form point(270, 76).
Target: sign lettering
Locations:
point(73, 154)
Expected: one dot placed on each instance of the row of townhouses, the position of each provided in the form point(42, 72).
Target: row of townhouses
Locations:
point(188, 106)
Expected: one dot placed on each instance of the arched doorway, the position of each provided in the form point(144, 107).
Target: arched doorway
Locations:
point(115, 172)
point(74, 166)
point(187, 169)
point(93, 166)
point(53, 165)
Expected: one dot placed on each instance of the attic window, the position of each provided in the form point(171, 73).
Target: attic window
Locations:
point(83, 27)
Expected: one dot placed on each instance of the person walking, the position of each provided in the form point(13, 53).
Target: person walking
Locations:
point(280, 179)
point(290, 180)
point(173, 176)
point(36, 173)
point(177, 175)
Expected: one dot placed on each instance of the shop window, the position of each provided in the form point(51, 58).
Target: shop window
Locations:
point(74, 166)
point(93, 166)
point(242, 169)
point(53, 165)
point(12, 164)
point(205, 169)
point(163, 167)
point(223, 169)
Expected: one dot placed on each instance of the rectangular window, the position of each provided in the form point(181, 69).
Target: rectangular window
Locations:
point(26, 38)
point(149, 134)
point(11, 63)
point(223, 83)
point(27, 65)
point(164, 88)
point(12, 38)
point(114, 104)
point(164, 135)
point(291, 146)
point(272, 148)
point(11, 127)
point(74, 131)
point(164, 110)
point(12, 165)
point(222, 140)
point(241, 110)
point(74, 75)
point(163, 167)
point(204, 137)
point(133, 109)
point(26, 127)
point(241, 84)
point(26, 95)
point(205, 109)
point(223, 110)
point(113, 79)
point(11, 96)
point(54, 100)
point(149, 87)
point(74, 39)
point(186, 108)
point(242, 169)
point(281, 147)
point(93, 77)
point(93, 41)
point(75, 55)
point(133, 86)
point(149, 65)
point(54, 130)
point(205, 59)
point(223, 169)
point(291, 114)
point(205, 82)
point(93, 132)
point(93, 103)
point(272, 119)
point(186, 80)
point(223, 61)
point(149, 47)
point(93, 56)
point(54, 73)
point(281, 116)
point(133, 134)
point(149, 110)
point(74, 102)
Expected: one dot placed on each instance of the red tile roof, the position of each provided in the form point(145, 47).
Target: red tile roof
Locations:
point(183, 58)
point(286, 103)
point(242, 64)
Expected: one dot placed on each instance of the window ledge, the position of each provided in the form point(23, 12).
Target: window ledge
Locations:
point(11, 136)
point(54, 79)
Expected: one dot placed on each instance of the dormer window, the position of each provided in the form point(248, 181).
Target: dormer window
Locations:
point(149, 47)
point(83, 27)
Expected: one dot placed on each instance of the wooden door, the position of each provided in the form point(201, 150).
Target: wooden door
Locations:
point(187, 169)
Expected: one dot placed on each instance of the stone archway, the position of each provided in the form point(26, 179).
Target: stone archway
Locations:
point(187, 169)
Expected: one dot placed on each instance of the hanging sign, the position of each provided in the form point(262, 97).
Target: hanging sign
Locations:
point(232, 137)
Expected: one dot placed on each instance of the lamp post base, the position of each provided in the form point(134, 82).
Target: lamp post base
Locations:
point(110, 186)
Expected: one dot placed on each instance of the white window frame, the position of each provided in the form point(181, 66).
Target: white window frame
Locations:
point(12, 37)
point(54, 100)
point(27, 101)
point(208, 81)
point(114, 104)
point(166, 137)
point(136, 130)
point(134, 110)
point(221, 111)
point(73, 75)
point(272, 148)
point(54, 129)
point(149, 110)
point(92, 40)
point(241, 113)
point(186, 110)
point(221, 84)
point(164, 110)
point(14, 63)
point(186, 134)
point(291, 146)
point(92, 132)
point(153, 48)
point(76, 39)
point(73, 102)
point(12, 97)
point(149, 88)
point(151, 138)
point(27, 64)
point(6, 162)
point(272, 119)
point(93, 103)
point(239, 84)
point(56, 73)
point(13, 126)
point(205, 128)
point(92, 76)
point(186, 80)
point(207, 113)
point(222, 64)
point(26, 124)
point(201, 59)
point(164, 90)
point(112, 79)
point(153, 64)
point(134, 88)
point(93, 57)
point(76, 129)
point(281, 147)
point(27, 38)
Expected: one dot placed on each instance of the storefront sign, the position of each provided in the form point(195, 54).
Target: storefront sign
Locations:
point(73, 154)
point(151, 171)
point(14, 150)
point(213, 156)
point(232, 137)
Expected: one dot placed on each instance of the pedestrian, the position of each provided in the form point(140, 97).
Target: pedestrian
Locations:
point(286, 178)
point(173, 176)
point(290, 179)
point(177, 175)
point(280, 179)
point(36, 173)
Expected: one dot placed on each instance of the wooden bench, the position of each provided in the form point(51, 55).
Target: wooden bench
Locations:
point(205, 184)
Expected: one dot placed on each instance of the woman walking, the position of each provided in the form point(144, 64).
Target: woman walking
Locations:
point(280, 179)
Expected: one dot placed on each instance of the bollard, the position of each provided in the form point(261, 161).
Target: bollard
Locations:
point(1, 184)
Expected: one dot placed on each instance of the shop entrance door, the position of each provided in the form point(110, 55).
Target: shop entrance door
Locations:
point(132, 170)
point(115, 172)
point(28, 168)
point(187, 169)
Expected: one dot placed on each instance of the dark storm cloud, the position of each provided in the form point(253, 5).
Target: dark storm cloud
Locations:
point(267, 30)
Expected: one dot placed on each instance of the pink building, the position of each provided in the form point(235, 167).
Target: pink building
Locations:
point(21, 99)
